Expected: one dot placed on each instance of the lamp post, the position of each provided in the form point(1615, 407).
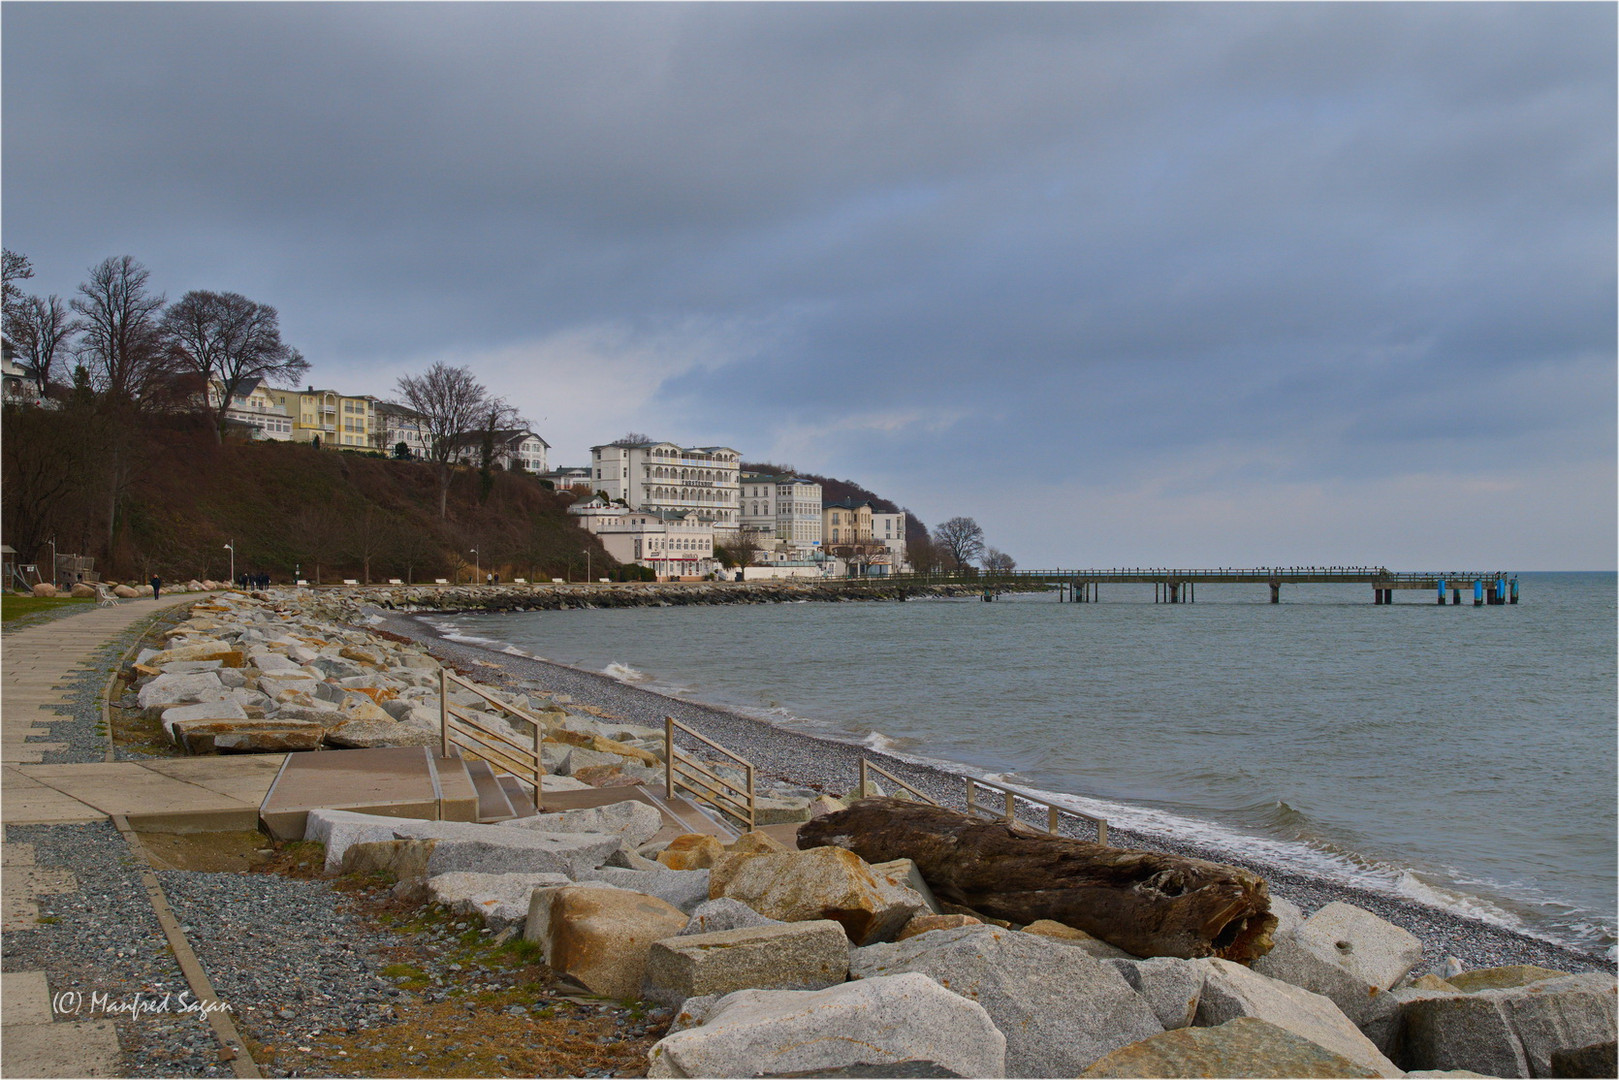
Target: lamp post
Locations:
point(53, 560)
point(477, 566)
point(297, 572)
point(587, 566)
point(231, 547)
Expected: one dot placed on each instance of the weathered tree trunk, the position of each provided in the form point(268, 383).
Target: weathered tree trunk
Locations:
point(1147, 903)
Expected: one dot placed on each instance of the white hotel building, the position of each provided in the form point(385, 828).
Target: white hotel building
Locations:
point(698, 481)
point(671, 543)
point(783, 508)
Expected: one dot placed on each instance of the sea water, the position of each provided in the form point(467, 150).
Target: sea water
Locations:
point(1458, 755)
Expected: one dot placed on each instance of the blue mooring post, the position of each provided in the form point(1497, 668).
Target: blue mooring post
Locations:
point(1500, 591)
point(1441, 592)
point(1514, 590)
point(1478, 593)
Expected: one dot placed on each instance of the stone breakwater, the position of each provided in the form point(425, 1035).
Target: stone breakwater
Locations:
point(554, 597)
point(786, 961)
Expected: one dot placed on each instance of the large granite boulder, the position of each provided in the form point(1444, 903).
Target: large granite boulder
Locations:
point(879, 1022)
point(1059, 1008)
point(821, 883)
point(635, 821)
point(1231, 991)
point(169, 690)
point(45, 589)
point(783, 956)
point(693, 851)
point(713, 916)
point(499, 899)
point(599, 937)
point(81, 591)
point(360, 734)
point(1502, 978)
point(209, 711)
point(1510, 1032)
point(685, 889)
point(464, 845)
point(1243, 1047)
point(1171, 986)
point(1344, 953)
point(126, 592)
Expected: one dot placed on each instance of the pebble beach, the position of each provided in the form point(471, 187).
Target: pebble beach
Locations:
point(833, 766)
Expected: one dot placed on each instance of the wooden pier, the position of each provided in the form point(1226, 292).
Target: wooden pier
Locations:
point(1173, 585)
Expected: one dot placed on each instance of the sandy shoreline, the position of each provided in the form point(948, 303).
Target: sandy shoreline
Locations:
point(833, 766)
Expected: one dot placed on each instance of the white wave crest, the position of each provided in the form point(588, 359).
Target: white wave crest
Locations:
point(624, 673)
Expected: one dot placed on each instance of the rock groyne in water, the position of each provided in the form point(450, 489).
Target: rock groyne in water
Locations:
point(565, 597)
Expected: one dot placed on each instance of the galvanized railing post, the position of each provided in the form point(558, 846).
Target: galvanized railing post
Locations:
point(753, 811)
point(444, 709)
point(972, 805)
point(669, 757)
point(539, 764)
point(864, 790)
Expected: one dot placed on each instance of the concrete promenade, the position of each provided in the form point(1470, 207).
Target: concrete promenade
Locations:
point(36, 665)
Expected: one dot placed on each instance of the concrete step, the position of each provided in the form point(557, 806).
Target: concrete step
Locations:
point(493, 803)
point(458, 794)
point(399, 781)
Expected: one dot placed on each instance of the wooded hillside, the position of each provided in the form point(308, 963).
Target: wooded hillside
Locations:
point(164, 498)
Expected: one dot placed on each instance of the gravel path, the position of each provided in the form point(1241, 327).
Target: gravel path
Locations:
point(284, 953)
point(106, 939)
point(802, 759)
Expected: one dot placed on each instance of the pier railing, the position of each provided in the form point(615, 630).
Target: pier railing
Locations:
point(465, 733)
point(682, 772)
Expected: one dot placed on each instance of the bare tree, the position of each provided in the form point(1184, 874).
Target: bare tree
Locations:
point(452, 405)
point(923, 555)
point(117, 324)
point(13, 268)
point(37, 329)
point(631, 438)
point(960, 540)
point(228, 340)
point(998, 562)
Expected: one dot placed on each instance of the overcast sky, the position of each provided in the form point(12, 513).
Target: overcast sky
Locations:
point(1137, 284)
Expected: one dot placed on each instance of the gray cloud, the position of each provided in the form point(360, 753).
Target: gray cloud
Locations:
point(1016, 244)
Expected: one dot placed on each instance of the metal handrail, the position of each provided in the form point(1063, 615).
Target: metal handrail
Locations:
point(459, 731)
point(865, 782)
point(744, 803)
point(1009, 813)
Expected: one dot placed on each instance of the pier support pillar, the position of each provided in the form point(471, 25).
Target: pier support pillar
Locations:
point(1441, 592)
point(1173, 591)
point(1478, 594)
point(1276, 592)
point(1456, 598)
point(1514, 590)
point(1377, 596)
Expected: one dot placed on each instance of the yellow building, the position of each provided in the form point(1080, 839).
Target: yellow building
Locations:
point(341, 420)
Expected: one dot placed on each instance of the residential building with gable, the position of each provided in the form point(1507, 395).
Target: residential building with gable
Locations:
point(671, 543)
point(515, 448)
point(700, 481)
point(344, 421)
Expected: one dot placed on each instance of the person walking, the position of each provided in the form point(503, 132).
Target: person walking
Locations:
point(157, 586)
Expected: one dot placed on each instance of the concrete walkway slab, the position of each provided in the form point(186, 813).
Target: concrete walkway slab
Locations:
point(25, 998)
point(26, 801)
point(129, 788)
point(85, 1048)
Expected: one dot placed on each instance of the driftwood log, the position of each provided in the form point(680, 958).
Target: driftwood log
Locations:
point(1144, 902)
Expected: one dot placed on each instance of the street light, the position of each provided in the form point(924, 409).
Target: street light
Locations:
point(53, 560)
point(477, 566)
point(231, 547)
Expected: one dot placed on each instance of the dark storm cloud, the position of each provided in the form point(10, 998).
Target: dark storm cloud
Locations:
point(1317, 241)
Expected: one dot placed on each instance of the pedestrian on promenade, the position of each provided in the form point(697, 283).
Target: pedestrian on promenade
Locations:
point(157, 586)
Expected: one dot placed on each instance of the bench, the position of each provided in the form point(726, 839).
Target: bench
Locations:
point(519, 581)
point(441, 581)
point(351, 581)
point(395, 581)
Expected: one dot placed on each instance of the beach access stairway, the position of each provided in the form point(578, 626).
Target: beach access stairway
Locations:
point(486, 773)
point(422, 782)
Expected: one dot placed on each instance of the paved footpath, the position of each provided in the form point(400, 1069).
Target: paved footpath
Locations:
point(37, 665)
